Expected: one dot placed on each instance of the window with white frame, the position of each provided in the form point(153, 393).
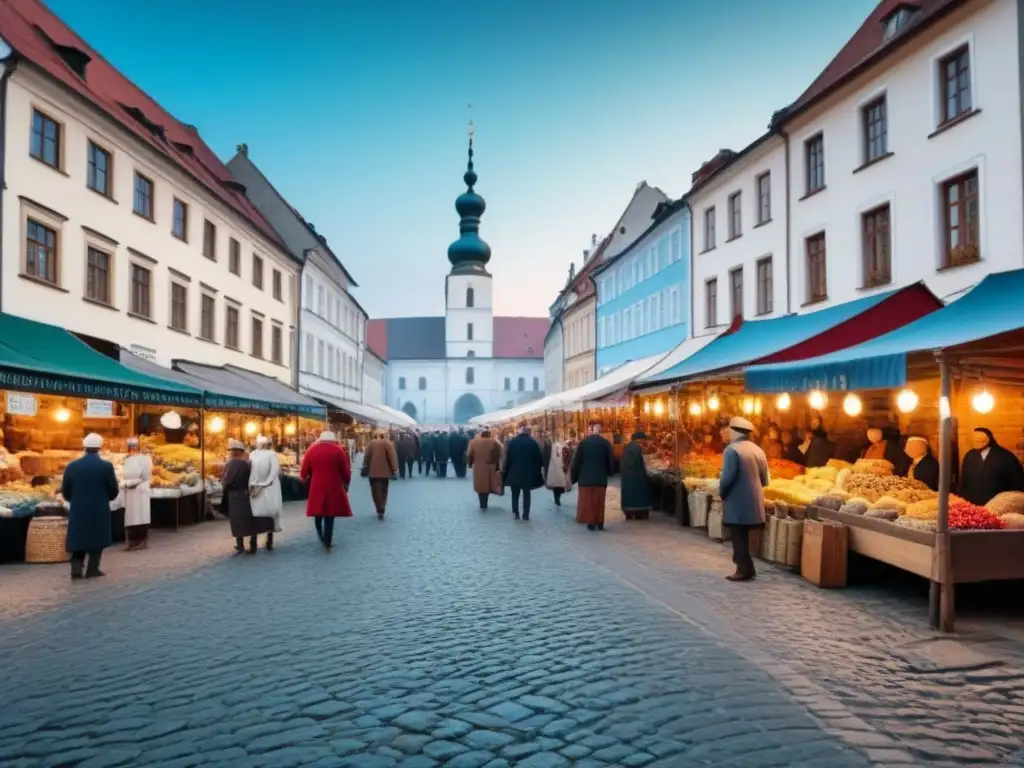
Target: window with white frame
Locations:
point(676, 251)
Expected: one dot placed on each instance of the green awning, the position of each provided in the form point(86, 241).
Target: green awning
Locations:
point(36, 357)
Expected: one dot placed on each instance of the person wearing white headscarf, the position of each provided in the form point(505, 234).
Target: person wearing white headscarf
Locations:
point(265, 486)
point(89, 485)
point(135, 480)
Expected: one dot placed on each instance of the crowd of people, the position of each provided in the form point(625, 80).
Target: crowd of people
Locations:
point(253, 501)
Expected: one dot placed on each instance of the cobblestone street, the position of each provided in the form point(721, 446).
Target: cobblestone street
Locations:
point(446, 636)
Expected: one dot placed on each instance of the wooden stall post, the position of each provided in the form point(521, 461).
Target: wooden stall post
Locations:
point(941, 605)
point(679, 497)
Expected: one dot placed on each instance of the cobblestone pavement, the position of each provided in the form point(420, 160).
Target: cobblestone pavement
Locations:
point(444, 636)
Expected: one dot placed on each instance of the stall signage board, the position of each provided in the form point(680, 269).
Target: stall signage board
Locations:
point(146, 353)
point(21, 404)
point(99, 408)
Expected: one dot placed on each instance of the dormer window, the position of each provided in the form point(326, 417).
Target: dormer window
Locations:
point(897, 20)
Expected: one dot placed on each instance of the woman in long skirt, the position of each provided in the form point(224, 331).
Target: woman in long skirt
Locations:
point(235, 479)
point(265, 496)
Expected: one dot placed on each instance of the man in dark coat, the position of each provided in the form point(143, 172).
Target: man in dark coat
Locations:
point(523, 470)
point(442, 452)
point(636, 489)
point(592, 464)
point(89, 485)
point(459, 443)
point(406, 454)
point(989, 469)
point(427, 452)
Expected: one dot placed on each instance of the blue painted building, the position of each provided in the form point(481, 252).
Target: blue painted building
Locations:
point(643, 292)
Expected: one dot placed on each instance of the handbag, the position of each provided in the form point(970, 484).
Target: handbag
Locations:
point(497, 486)
point(255, 491)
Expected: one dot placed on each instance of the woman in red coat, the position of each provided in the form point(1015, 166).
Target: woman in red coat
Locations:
point(328, 472)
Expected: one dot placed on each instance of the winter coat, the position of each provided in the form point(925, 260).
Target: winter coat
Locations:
point(636, 490)
point(89, 485)
point(982, 478)
point(484, 457)
point(744, 474)
point(380, 460)
point(556, 461)
point(136, 477)
point(593, 462)
point(265, 495)
point(523, 463)
point(328, 472)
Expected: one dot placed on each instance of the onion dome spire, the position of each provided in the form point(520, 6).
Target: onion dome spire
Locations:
point(469, 251)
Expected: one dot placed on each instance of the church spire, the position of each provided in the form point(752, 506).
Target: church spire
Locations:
point(469, 252)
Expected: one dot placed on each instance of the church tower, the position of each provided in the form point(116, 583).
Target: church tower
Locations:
point(469, 313)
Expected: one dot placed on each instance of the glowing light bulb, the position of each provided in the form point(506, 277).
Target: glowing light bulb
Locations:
point(695, 409)
point(289, 429)
point(748, 405)
point(757, 406)
point(817, 399)
point(852, 405)
point(907, 400)
point(713, 403)
point(659, 408)
point(216, 424)
point(783, 401)
point(983, 402)
point(62, 415)
point(647, 407)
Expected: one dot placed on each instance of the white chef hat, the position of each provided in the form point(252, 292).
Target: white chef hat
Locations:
point(262, 441)
point(236, 445)
point(328, 437)
point(92, 440)
point(740, 424)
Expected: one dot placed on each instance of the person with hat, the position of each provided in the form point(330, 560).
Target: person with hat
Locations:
point(556, 456)
point(89, 485)
point(636, 490)
point(592, 464)
point(135, 480)
point(744, 475)
point(265, 495)
point(235, 479)
point(328, 472)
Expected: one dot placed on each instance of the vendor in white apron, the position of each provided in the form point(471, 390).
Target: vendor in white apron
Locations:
point(138, 472)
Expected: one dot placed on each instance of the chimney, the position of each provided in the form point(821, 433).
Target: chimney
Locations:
point(593, 240)
point(712, 166)
point(242, 149)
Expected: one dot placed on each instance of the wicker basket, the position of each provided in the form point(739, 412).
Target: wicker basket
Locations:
point(46, 540)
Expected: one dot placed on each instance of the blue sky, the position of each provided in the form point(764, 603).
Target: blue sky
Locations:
point(357, 112)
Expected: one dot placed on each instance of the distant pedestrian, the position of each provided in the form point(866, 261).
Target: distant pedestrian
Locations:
point(523, 470)
point(556, 468)
point(328, 472)
point(380, 465)
point(89, 485)
point(427, 443)
point(136, 476)
point(484, 458)
point(442, 452)
point(636, 488)
point(235, 479)
point(265, 495)
point(592, 464)
point(406, 450)
point(458, 444)
point(744, 475)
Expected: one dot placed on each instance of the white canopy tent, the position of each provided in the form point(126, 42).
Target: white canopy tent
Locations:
point(682, 351)
point(396, 418)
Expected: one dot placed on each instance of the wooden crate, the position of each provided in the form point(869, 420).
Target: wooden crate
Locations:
point(824, 553)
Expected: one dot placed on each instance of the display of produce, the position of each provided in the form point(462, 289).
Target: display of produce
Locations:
point(1006, 503)
point(964, 516)
point(784, 469)
point(703, 465)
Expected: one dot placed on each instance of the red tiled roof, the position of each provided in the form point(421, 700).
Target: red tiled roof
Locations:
point(377, 337)
point(520, 336)
point(869, 42)
point(26, 24)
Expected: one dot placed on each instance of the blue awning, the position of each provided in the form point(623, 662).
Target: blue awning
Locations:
point(994, 307)
point(758, 339)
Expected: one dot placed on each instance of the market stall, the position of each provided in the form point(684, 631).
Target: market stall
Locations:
point(959, 372)
point(55, 390)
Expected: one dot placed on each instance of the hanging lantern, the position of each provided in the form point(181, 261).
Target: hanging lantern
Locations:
point(216, 424)
point(852, 405)
point(907, 400)
point(748, 405)
point(171, 420)
point(62, 415)
point(659, 408)
point(817, 400)
point(695, 408)
point(289, 429)
point(783, 401)
point(713, 403)
point(983, 402)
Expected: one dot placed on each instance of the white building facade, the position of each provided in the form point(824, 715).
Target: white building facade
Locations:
point(123, 226)
point(738, 214)
point(554, 358)
point(904, 165)
point(374, 378)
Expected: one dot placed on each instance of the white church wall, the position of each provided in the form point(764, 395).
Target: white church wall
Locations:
point(469, 316)
point(420, 382)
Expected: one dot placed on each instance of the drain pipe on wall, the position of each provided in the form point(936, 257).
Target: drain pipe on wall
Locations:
point(8, 61)
point(789, 228)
